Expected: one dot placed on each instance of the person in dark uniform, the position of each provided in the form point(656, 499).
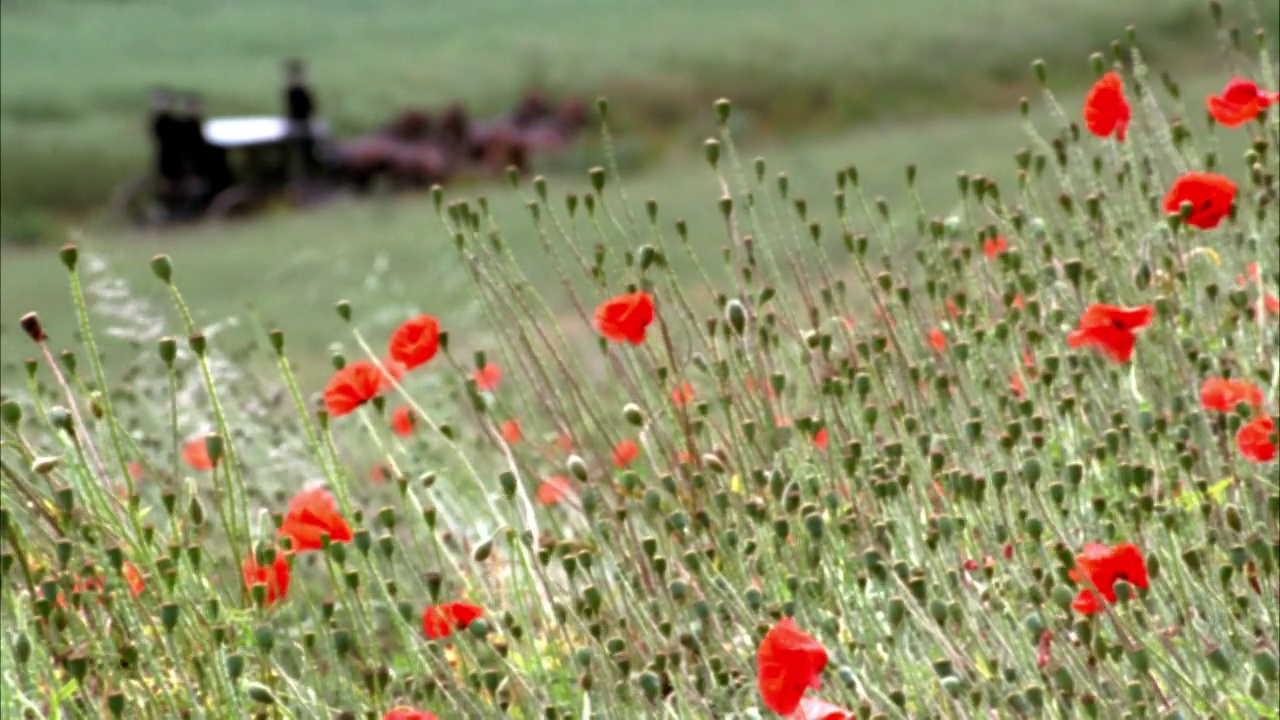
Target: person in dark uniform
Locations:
point(300, 108)
point(189, 142)
point(209, 169)
point(164, 132)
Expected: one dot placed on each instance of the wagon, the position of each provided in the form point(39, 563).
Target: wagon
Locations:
point(261, 168)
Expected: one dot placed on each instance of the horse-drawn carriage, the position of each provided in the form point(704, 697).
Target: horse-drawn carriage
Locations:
point(244, 164)
point(248, 163)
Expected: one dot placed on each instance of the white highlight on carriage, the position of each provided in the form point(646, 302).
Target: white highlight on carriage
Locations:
point(242, 131)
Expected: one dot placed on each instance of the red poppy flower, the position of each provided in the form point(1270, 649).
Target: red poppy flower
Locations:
point(1015, 385)
point(311, 513)
point(953, 310)
point(1271, 303)
point(414, 343)
point(818, 709)
point(379, 473)
point(1223, 395)
point(407, 713)
point(788, 662)
point(354, 385)
point(1111, 329)
point(93, 584)
point(439, 621)
point(682, 394)
point(553, 490)
point(1106, 111)
point(403, 420)
point(1042, 649)
point(625, 317)
point(133, 578)
point(625, 452)
point(1240, 102)
point(820, 439)
point(1210, 197)
point(1252, 271)
point(196, 454)
point(1256, 439)
point(1103, 566)
point(752, 387)
point(488, 377)
point(564, 443)
point(276, 577)
point(937, 340)
point(992, 247)
point(136, 471)
point(511, 431)
point(1018, 302)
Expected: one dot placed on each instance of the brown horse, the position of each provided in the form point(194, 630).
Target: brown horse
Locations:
point(555, 131)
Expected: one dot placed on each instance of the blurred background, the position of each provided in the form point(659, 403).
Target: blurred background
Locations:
point(816, 85)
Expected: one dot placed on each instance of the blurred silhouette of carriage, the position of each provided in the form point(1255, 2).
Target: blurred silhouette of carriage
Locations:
point(257, 168)
point(419, 149)
point(416, 150)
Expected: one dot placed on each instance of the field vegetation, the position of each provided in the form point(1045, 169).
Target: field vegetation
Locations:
point(974, 417)
point(75, 76)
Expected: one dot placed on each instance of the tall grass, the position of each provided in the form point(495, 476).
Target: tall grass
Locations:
point(74, 76)
point(807, 448)
point(370, 252)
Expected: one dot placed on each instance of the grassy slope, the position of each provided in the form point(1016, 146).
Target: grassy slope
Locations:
point(70, 111)
point(294, 266)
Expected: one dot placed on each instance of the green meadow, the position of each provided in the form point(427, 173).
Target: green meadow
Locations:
point(285, 270)
point(884, 390)
point(74, 76)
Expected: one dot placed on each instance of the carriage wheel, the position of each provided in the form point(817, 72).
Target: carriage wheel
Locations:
point(233, 200)
point(136, 202)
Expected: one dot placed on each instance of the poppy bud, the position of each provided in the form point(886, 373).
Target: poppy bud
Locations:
point(633, 414)
point(60, 418)
point(723, 109)
point(68, 359)
point(1098, 63)
point(162, 266)
point(725, 203)
point(11, 413)
point(168, 349)
point(196, 510)
point(1266, 665)
point(169, 616)
point(648, 255)
point(1042, 74)
point(344, 309)
point(597, 177)
point(507, 481)
point(712, 150)
point(483, 551)
point(576, 467)
point(214, 447)
point(259, 693)
point(736, 315)
point(31, 326)
point(45, 465)
point(198, 343)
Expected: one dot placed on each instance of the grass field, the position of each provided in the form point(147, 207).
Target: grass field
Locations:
point(750, 482)
point(74, 76)
point(285, 270)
